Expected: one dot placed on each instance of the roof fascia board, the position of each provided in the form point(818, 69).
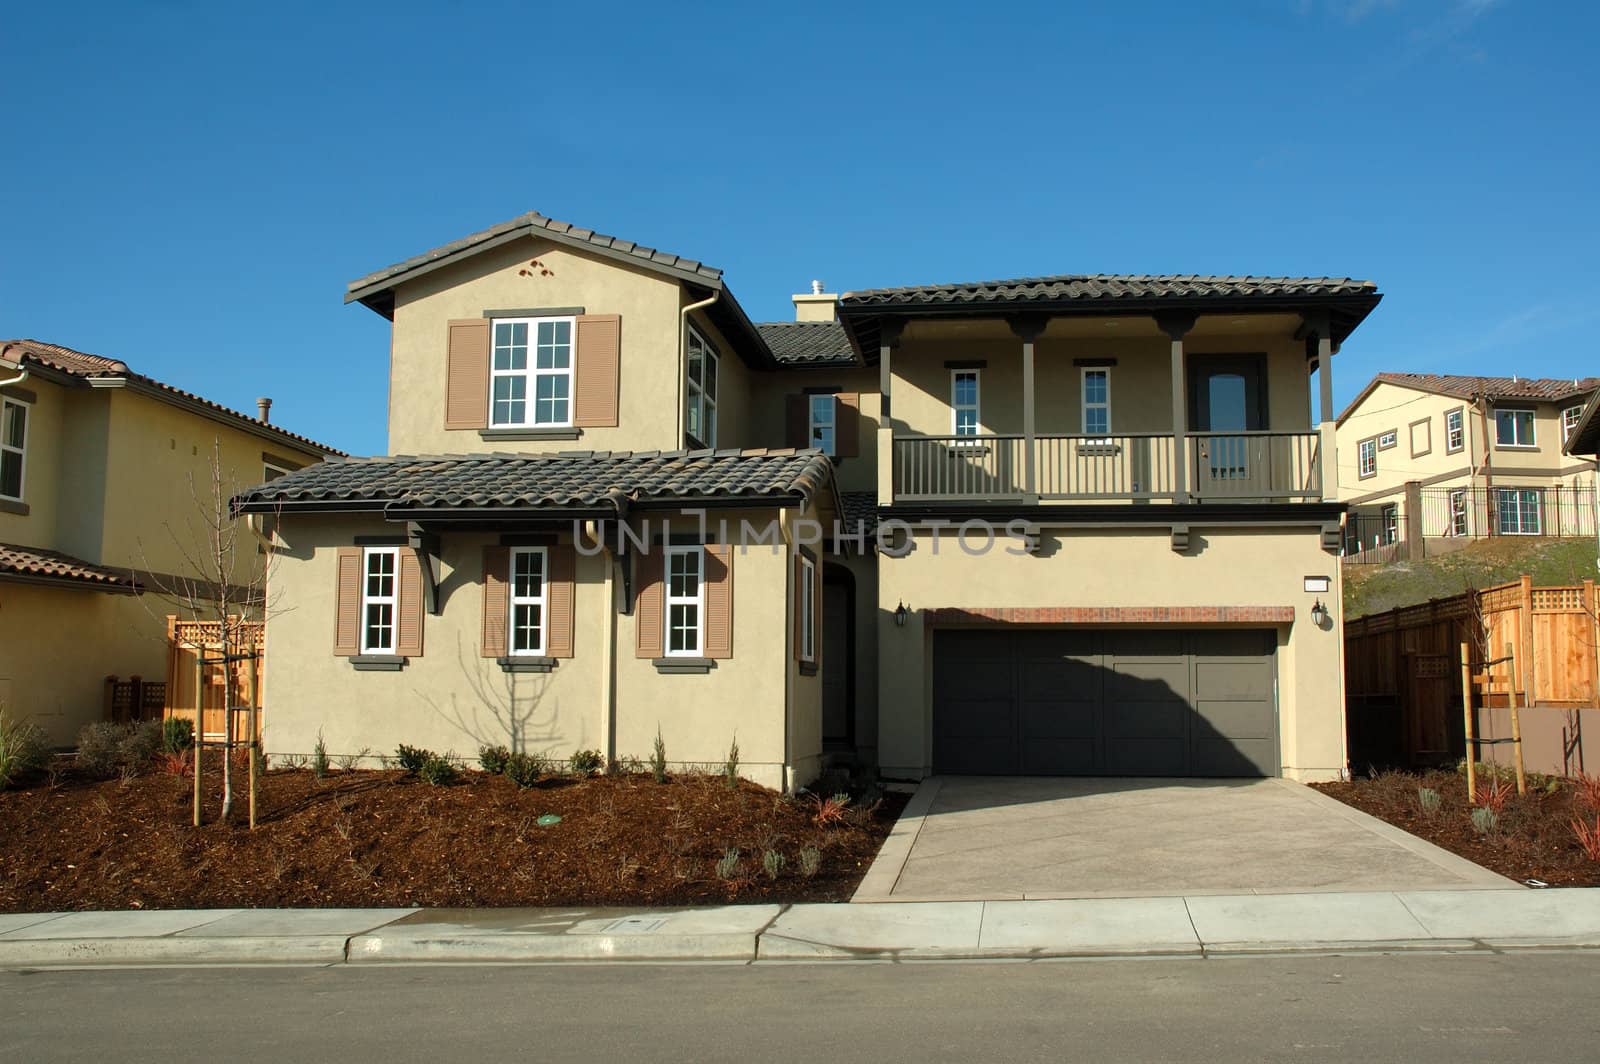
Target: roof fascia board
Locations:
point(69, 583)
point(150, 389)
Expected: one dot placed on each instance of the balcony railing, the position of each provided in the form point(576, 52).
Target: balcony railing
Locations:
point(1233, 466)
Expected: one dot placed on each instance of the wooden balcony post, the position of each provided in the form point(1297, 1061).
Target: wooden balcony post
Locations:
point(1176, 326)
point(1028, 327)
point(888, 339)
point(1318, 333)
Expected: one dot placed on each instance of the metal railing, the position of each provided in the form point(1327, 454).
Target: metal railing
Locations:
point(1473, 513)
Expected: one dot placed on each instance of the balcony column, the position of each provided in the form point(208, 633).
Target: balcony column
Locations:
point(1028, 327)
point(888, 339)
point(1319, 338)
point(1177, 326)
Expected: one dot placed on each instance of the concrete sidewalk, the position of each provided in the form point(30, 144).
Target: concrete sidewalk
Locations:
point(1202, 925)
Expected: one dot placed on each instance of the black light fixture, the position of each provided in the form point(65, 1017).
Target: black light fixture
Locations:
point(901, 612)
point(1319, 614)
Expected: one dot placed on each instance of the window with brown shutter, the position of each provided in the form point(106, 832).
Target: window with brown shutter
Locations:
point(496, 601)
point(847, 424)
point(347, 621)
point(718, 642)
point(466, 403)
point(649, 604)
point(597, 370)
point(559, 593)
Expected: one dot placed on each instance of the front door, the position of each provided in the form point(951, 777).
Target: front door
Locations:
point(838, 723)
point(1227, 402)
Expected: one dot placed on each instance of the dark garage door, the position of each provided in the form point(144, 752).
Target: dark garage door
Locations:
point(1067, 702)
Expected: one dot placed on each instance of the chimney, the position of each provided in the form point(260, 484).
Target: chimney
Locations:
point(264, 409)
point(815, 305)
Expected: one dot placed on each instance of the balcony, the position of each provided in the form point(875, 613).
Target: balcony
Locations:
point(1216, 467)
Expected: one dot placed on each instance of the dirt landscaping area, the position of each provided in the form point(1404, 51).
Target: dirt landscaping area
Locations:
point(386, 838)
point(1532, 838)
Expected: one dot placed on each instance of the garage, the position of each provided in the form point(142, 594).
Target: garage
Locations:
point(1080, 702)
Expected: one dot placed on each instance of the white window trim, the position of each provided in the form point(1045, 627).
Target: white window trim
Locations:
point(1569, 421)
point(1533, 429)
point(1083, 398)
point(1391, 523)
point(1393, 436)
point(1366, 449)
point(697, 600)
point(514, 600)
point(21, 452)
point(830, 422)
point(532, 373)
point(392, 600)
point(1500, 515)
point(976, 406)
point(807, 594)
point(1459, 509)
point(1458, 431)
point(268, 468)
point(707, 403)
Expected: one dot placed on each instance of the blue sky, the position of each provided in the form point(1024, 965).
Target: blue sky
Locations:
point(190, 189)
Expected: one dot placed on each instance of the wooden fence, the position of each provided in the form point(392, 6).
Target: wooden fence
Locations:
point(1403, 675)
point(134, 699)
point(200, 683)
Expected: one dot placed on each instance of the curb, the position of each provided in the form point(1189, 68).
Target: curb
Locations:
point(529, 949)
point(89, 952)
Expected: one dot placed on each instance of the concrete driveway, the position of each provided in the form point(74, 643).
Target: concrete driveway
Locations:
point(970, 837)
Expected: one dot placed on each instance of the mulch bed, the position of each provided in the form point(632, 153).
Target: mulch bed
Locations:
point(382, 838)
point(1533, 840)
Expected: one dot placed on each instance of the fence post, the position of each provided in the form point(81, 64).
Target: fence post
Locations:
point(1467, 722)
point(1529, 670)
point(1414, 549)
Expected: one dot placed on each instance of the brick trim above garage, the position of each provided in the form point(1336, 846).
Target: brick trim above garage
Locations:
point(1113, 615)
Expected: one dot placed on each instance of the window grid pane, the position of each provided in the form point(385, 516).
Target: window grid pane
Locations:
point(527, 599)
point(11, 474)
point(684, 599)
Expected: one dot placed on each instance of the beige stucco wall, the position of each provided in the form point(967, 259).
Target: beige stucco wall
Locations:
point(768, 423)
point(1121, 568)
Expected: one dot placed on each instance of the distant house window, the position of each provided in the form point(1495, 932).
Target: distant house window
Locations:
point(822, 434)
point(1454, 437)
point(1569, 421)
point(1391, 523)
point(1367, 456)
point(13, 447)
point(1387, 440)
point(807, 594)
point(271, 472)
point(379, 599)
point(1519, 511)
point(1513, 428)
point(685, 599)
point(964, 411)
point(1458, 512)
point(1096, 402)
point(528, 567)
point(531, 387)
point(700, 394)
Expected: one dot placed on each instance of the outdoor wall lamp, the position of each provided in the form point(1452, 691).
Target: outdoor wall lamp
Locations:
point(1319, 614)
point(901, 612)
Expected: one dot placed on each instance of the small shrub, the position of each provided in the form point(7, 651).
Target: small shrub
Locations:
point(730, 767)
point(1485, 820)
point(493, 759)
point(174, 763)
point(177, 735)
point(1588, 790)
point(862, 816)
point(829, 810)
point(1428, 799)
point(1588, 836)
point(22, 750)
point(586, 762)
point(524, 769)
point(728, 864)
point(437, 771)
point(412, 758)
point(658, 759)
point(319, 758)
point(108, 751)
point(1492, 795)
point(772, 863)
point(350, 762)
point(810, 861)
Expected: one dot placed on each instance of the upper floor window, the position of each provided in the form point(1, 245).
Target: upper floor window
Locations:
point(824, 423)
point(1096, 402)
point(13, 447)
point(1569, 421)
point(700, 396)
point(685, 600)
point(528, 568)
point(379, 599)
point(964, 411)
point(1513, 428)
point(1454, 435)
point(1367, 457)
point(531, 387)
point(1388, 439)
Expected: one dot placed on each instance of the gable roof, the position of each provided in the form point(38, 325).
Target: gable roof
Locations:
point(1537, 389)
point(83, 368)
point(36, 565)
point(807, 343)
point(1585, 439)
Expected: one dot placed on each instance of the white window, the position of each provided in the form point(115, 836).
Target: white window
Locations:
point(1391, 523)
point(1454, 438)
point(685, 600)
point(528, 568)
point(1458, 512)
point(1519, 511)
point(1513, 428)
point(700, 396)
point(1096, 402)
point(821, 414)
point(807, 595)
point(531, 388)
point(13, 447)
point(272, 471)
point(1367, 455)
point(379, 601)
point(1569, 421)
point(964, 417)
point(1387, 440)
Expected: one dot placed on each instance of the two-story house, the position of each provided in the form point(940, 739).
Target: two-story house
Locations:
point(99, 471)
point(1090, 523)
point(1434, 460)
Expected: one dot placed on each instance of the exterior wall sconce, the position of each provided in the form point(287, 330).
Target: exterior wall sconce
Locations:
point(901, 612)
point(1319, 614)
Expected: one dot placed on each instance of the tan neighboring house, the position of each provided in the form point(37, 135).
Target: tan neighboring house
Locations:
point(1435, 458)
point(95, 461)
point(600, 521)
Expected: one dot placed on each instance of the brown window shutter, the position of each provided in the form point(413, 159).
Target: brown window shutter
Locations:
point(648, 604)
point(799, 615)
point(347, 625)
point(558, 595)
point(597, 370)
point(496, 601)
point(408, 633)
point(816, 613)
point(719, 601)
point(466, 401)
point(847, 425)
point(797, 417)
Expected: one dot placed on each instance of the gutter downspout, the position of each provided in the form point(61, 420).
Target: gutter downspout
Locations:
point(1490, 516)
point(683, 357)
point(21, 376)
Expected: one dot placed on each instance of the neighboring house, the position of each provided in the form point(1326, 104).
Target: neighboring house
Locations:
point(1162, 597)
point(95, 467)
point(1427, 456)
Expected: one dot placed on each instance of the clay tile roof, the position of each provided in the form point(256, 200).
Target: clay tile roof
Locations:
point(569, 479)
point(807, 343)
point(1104, 286)
point(34, 563)
point(1548, 389)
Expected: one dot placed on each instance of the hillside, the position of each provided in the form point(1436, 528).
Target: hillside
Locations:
point(1376, 588)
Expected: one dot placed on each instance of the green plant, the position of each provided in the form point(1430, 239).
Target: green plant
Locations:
point(524, 769)
point(437, 771)
point(810, 861)
point(728, 863)
point(862, 816)
point(22, 750)
point(1428, 799)
point(1588, 837)
point(493, 758)
point(772, 863)
point(319, 758)
point(177, 734)
point(587, 762)
point(1484, 820)
point(658, 758)
point(412, 758)
point(1492, 795)
point(350, 762)
point(730, 767)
